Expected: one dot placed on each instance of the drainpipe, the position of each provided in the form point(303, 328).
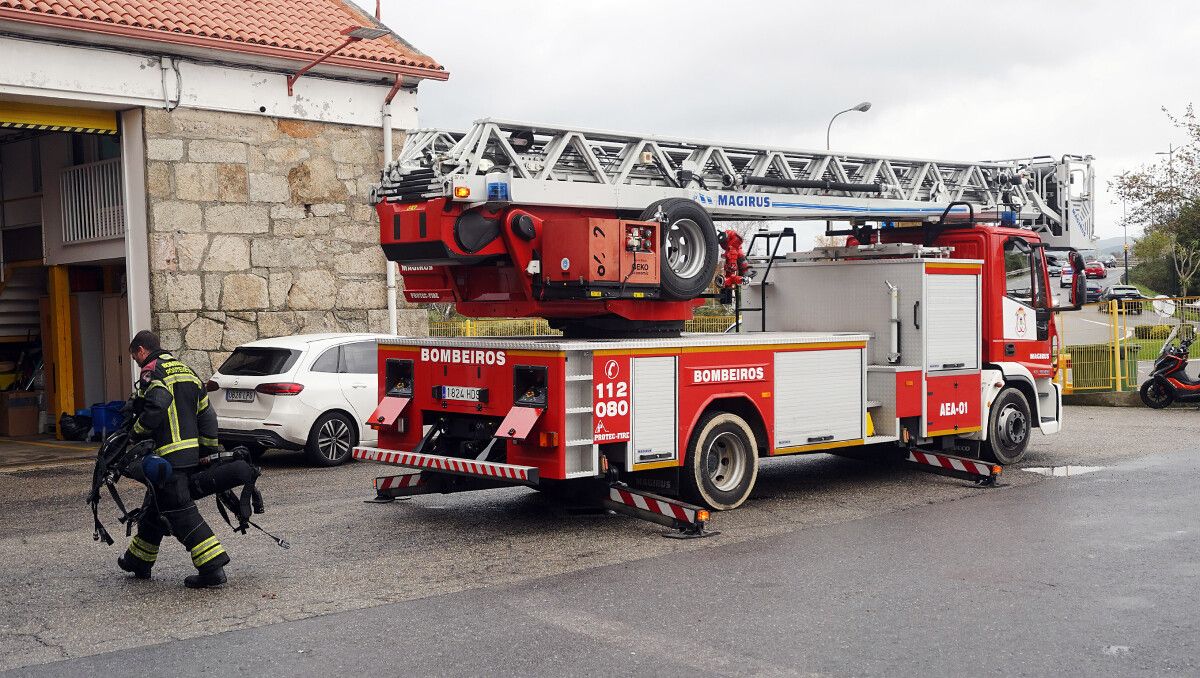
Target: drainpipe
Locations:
point(387, 160)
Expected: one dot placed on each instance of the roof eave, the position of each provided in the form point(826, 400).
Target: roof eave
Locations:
point(70, 29)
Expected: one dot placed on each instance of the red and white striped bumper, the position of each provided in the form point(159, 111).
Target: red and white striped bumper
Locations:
point(952, 463)
point(526, 475)
point(399, 482)
point(662, 506)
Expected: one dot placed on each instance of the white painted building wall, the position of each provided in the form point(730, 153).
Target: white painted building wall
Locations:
point(108, 78)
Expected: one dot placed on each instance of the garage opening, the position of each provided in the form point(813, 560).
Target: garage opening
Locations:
point(64, 318)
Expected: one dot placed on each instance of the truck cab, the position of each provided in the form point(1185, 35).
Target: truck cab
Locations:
point(1018, 334)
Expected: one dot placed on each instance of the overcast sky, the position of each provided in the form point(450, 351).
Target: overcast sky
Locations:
point(955, 80)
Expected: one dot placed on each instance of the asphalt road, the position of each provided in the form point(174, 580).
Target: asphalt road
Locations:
point(835, 567)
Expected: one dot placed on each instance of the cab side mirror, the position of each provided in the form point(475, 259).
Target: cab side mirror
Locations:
point(1078, 283)
point(1078, 280)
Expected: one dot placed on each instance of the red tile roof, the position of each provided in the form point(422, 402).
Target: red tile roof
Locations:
point(292, 29)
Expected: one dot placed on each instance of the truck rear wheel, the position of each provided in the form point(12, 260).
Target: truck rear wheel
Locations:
point(688, 249)
point(1009, 428)
point(722, 462)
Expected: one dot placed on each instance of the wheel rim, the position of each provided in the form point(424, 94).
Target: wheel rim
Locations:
point(725, 462)
point(333, 439)
point(1156, 393)
point(1013, 428)
point(685, 248)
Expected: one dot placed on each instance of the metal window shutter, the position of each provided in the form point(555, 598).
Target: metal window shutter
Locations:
point(951, 322)
point(655, 424)
point(818, 395)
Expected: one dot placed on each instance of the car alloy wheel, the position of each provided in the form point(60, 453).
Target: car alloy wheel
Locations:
point(334, 440)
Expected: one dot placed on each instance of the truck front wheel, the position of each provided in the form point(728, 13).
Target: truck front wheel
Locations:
point(1009, 428)
point(722, 462)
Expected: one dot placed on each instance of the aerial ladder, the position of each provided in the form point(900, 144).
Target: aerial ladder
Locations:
point(500, 185)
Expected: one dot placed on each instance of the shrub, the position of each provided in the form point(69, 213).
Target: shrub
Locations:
point(1162, 331)
point(1151, 331)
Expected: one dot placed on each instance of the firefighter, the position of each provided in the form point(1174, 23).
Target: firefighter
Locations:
point(172, 409)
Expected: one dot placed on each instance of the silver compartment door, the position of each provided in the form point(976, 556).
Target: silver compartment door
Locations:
point(655, 418)
point(951, 326)
point(818, 397)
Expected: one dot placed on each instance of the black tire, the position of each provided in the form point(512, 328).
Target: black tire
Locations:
point(1155, 396)
point(1010, 426)
point(686, 265)
point(722, 462)
point(331, 439)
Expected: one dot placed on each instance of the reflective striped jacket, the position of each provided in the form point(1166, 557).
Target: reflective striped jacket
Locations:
point(175, 412)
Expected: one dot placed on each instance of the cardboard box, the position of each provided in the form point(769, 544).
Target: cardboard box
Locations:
point(18, 413)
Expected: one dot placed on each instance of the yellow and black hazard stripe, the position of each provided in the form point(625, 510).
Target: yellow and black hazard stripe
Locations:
point(56, 128)
point(42, 118)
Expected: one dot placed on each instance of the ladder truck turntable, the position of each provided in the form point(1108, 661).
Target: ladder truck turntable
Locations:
point(928, 338)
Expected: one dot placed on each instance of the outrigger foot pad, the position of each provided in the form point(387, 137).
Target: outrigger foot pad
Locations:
point(697, 532)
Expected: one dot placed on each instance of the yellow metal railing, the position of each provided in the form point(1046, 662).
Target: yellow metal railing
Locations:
point(537, 327)
point(1111, 345)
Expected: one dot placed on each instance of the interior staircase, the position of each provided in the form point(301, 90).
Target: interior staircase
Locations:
point(19, 293)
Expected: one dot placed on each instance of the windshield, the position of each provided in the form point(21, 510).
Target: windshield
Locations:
point(259, 361)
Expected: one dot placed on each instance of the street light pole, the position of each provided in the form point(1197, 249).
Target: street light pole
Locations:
point(861, 108)
point(1125, 225)
point(1170, 153)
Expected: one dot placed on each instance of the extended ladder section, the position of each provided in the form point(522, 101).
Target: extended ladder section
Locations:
point(498, 162)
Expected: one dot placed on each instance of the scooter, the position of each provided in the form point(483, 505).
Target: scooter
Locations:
point(1169, 381)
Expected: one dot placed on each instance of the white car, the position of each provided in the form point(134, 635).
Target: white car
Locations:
point(308, 392)
point(1067, 276)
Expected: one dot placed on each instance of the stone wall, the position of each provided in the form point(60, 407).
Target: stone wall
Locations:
point(260, 227)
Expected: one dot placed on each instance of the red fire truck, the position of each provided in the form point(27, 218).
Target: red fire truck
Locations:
point(928, 337)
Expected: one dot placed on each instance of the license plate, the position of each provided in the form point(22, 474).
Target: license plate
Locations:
point(466, 393)
point(239, 395)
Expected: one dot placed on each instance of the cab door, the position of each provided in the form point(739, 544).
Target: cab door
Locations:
point(1025, 326)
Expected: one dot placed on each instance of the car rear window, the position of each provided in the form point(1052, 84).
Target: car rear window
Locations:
point(259, 361)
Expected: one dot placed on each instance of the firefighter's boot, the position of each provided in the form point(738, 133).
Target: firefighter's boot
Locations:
point(206, 579)
point(139, 568)
point(139, 558)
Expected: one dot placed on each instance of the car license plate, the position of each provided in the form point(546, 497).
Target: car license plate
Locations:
point(239, 395)
point(466, 393)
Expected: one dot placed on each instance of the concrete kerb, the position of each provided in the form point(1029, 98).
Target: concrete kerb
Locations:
point(1104, 399)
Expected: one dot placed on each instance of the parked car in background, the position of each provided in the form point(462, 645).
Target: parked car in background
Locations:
point(1095, 269)
point(1066, 276)
point(1094, 290)
point(1129, 298)
point(308, 392)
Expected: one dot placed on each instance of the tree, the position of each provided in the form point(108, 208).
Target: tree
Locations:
point(1165, 200)
point(829, 241)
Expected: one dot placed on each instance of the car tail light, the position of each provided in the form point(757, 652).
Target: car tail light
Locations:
point(280, 388)
point(211, 386)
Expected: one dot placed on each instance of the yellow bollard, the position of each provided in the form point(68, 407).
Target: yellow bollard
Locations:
point(1116, 343)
